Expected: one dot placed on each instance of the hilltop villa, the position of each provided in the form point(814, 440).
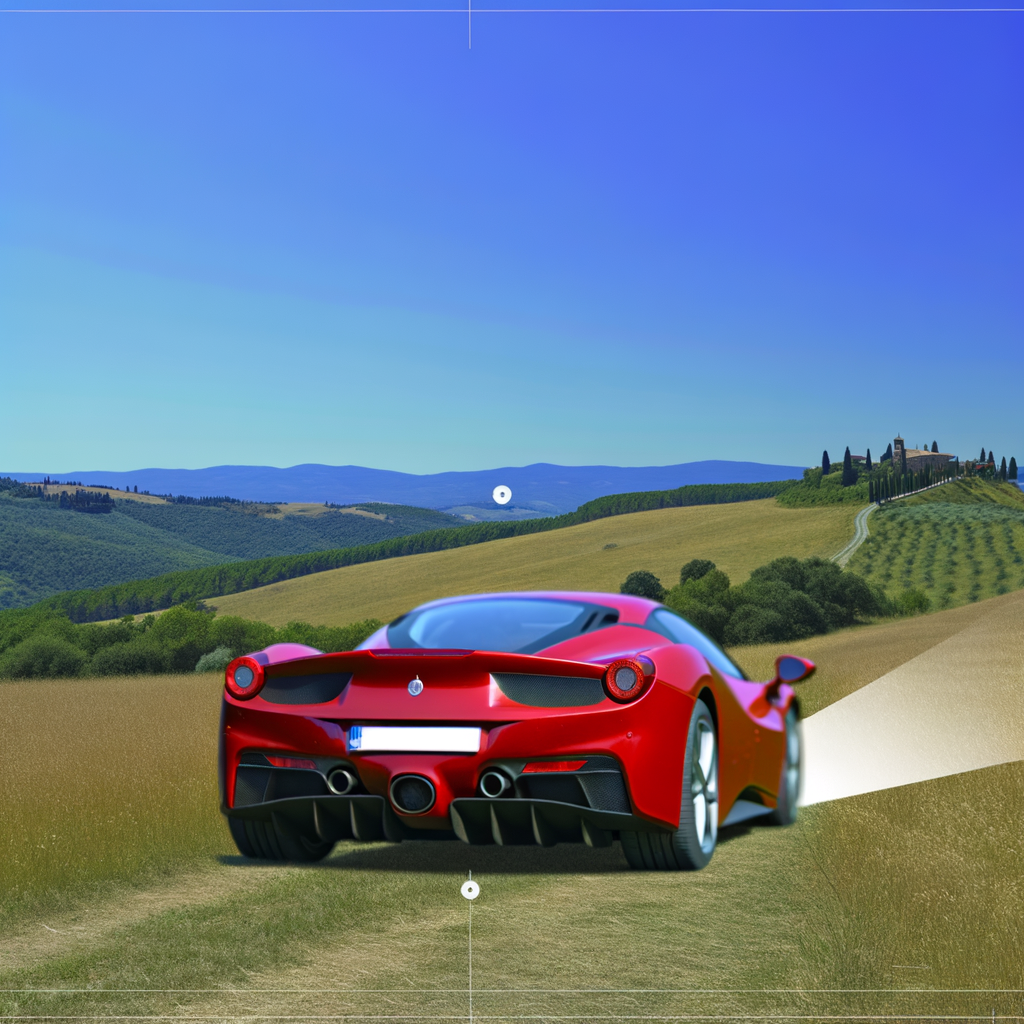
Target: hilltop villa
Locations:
point(918, 458)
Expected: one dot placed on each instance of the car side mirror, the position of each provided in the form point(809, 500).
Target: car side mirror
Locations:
point(791, 669)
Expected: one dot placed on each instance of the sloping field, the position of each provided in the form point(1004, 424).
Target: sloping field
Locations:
point(957, 552)
point(592, 556)
point(904, 902)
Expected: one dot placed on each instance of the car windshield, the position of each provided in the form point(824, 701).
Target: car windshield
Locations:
point(518, 625)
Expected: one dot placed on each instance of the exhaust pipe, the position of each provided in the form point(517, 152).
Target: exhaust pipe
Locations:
point(342, 781)
point(412, 794)
point(494, 784)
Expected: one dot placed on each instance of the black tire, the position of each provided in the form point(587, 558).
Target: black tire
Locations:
point(691, 846)
point(264, 840)
point(792, 767)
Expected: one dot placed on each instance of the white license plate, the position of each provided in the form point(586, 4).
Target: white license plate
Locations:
point(427, 739)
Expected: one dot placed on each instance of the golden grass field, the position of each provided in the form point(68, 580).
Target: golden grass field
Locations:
point(103, 779)
point(737, 537)
point(146, 499)
point(117, 873)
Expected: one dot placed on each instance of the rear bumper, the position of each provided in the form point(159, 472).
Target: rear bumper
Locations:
point(476, 820)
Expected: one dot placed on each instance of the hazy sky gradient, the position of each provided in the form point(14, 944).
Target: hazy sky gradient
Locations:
point(619, 239)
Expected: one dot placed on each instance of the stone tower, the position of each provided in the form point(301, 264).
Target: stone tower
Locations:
point(899, 455)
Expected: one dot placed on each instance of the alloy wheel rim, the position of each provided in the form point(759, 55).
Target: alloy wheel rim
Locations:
point(704, 786)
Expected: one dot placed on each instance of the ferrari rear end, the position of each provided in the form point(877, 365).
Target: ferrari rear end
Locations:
point(487, 747)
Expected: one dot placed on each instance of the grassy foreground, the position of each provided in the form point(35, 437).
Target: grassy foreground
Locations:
point(855, 910)
point(592, 556)
point(117, 874)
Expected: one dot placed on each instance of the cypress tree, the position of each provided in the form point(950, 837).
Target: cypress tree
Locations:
point(867, 461)
point(1002, 469)
point(981, 458)
point(888, 454)
point(826, 466)
point(935, 447)
point(1012, 471)
point(849, 475)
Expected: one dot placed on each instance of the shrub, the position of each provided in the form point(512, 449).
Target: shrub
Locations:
point(216, 661)
point(42, 656)
point(787, 599)
point(184, 633)
point(239, 635)
point(643, 584)
point(913, 602)
point(801, 614)
point(139, 656)
point(328, 638)
point(36, 645)
point(753, 625)
point(695, 569)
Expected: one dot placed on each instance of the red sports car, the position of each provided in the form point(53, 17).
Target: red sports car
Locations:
point(509, 718)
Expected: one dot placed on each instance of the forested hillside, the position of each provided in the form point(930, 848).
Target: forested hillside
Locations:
point(134, 596)
point(47, 546)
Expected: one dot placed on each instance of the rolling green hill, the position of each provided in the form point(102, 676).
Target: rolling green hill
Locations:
point(46, 549)
point(144, 595)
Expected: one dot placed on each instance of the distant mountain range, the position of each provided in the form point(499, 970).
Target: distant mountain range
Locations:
point(540, 489)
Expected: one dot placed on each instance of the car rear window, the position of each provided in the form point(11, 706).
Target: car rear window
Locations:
point(516, 625)
point(677, 629)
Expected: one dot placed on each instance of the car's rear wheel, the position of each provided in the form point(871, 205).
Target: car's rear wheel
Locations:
point(789, 782)
point(690, 847)
point(264, 840)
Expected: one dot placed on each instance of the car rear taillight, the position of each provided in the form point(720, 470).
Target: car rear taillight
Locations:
point(553, 766)
point(291, 762)
point(244, 678)
point(624, 680)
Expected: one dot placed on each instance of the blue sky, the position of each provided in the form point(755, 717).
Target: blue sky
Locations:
point(630, 239)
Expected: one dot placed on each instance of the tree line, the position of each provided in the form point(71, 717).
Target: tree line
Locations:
point(787, 599)
point(77, 501)
point(183, 639)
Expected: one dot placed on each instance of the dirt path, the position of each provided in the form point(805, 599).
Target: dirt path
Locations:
point(955, 708)
point(860, 534)
point(84, 927)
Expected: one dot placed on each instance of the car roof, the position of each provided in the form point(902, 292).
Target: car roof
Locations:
point(632, 610)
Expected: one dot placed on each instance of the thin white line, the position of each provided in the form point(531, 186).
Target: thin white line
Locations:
point(517, 10)
point(529, 991)
point(589, 1017)
point(470, 948)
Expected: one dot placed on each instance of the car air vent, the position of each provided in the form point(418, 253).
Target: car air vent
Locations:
point(550, 691)
point(315, 689)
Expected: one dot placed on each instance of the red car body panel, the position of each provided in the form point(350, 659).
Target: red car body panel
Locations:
point(646, 738)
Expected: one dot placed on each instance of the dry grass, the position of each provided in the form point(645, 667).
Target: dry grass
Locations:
point(927, 884)
point(146, 499)
point(737, 537)
point(103, 779)
point(308, 508)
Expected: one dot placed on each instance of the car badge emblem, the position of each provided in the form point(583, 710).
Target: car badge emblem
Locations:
point(416, 687)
